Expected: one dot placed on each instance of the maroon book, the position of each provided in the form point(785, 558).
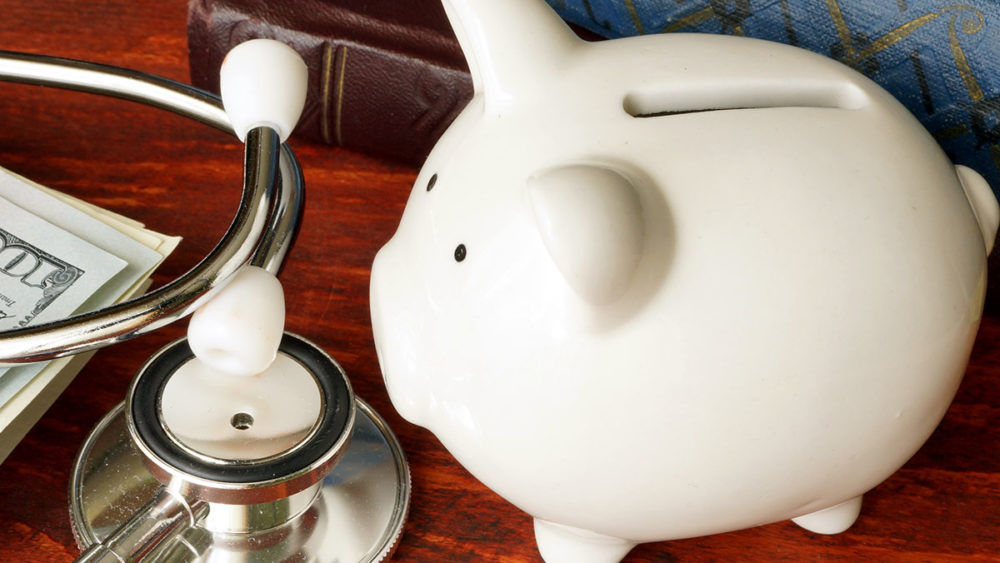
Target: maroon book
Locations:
point(385, 76)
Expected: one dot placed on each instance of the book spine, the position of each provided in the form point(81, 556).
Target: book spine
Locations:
point(388, 99)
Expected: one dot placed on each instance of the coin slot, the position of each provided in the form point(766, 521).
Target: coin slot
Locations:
point(721, 97)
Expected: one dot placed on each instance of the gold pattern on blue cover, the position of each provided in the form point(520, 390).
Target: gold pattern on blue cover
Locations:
point(942, 61)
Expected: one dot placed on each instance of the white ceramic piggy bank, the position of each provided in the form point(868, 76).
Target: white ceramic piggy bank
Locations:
point(675, 285)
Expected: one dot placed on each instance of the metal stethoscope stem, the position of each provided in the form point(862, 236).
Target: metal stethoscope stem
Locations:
point(261, 232)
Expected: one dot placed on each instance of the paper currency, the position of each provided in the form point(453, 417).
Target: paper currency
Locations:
point(46, 273)
point(117, 236)
point(141, 248)
point(27, 391)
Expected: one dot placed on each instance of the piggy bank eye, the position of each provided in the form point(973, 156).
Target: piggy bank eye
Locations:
point(460, 253)
point(431, 182)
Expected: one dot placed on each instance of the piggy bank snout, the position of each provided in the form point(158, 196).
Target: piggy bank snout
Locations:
point(396, 339)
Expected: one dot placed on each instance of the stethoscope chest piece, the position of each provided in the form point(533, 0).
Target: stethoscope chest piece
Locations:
point(255, 448)
point(286, 466)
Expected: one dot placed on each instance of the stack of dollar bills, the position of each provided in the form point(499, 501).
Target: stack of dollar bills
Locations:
point(60, 256)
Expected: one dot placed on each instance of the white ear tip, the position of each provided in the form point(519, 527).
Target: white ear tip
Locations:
point(239, 330)
point(263, 82)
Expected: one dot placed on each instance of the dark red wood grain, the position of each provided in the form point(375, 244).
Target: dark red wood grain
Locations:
point(182, 178)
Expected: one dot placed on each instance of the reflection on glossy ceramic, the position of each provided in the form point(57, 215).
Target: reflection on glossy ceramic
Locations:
point(669, 286)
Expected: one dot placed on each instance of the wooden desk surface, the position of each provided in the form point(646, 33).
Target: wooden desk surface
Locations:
point(182, 178)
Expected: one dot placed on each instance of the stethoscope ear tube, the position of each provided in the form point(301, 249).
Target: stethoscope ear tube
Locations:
point(261, 232)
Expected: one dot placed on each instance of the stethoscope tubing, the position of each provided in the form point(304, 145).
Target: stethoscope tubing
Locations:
point(261, 232)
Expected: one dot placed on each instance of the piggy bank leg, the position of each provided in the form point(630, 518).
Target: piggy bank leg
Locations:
point(565, 544)
point(832, 520)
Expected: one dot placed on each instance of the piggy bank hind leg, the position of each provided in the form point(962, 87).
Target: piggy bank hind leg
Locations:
point(564, 544)
point(832, 520)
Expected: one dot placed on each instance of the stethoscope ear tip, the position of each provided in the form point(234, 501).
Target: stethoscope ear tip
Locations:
point(239, 329)
point(263, 83)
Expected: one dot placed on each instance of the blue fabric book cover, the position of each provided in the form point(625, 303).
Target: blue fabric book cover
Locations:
point(940, 59)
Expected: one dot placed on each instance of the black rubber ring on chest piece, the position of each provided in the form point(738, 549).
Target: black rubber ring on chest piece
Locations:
point(332, 381)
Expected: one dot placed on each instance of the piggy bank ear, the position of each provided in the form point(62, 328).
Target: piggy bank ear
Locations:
point(590, 218)
point(983, 202)
point(511, 46)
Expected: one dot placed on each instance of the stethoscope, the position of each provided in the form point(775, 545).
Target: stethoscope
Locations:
point(196, 464)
